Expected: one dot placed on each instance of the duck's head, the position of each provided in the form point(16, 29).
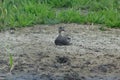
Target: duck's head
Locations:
point(61, 29)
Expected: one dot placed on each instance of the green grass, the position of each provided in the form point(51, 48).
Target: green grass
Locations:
point(21, 13)
point(69, 16)
point(11, 61)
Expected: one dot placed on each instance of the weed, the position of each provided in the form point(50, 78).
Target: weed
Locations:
point(102, 28)
point(11, 61)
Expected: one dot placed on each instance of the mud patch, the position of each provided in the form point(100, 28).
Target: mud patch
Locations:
point(62, 59)
point(94, 54)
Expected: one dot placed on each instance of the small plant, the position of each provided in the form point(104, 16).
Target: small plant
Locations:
point(11, 62)
point(102, 28)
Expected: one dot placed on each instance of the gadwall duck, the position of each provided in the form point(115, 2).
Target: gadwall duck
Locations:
point(62, 39)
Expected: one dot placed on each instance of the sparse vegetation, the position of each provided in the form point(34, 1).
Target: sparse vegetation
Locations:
point(20, 13)
point(11, 62)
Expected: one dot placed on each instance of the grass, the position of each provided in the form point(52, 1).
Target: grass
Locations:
point(70, 15)
point(21, 13)
point(11, 62)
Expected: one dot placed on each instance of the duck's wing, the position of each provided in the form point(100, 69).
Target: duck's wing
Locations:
point(62, 40)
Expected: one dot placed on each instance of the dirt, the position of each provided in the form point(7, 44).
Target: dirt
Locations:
point(93, 55)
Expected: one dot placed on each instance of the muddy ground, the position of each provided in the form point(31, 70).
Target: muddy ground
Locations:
point(93, 55)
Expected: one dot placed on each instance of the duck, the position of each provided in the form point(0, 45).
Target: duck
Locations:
point(62, 39)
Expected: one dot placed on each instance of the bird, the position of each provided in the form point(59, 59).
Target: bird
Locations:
point(12, 30)
point(62, 39)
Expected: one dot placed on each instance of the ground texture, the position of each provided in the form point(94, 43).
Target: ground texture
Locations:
point(93, 55)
